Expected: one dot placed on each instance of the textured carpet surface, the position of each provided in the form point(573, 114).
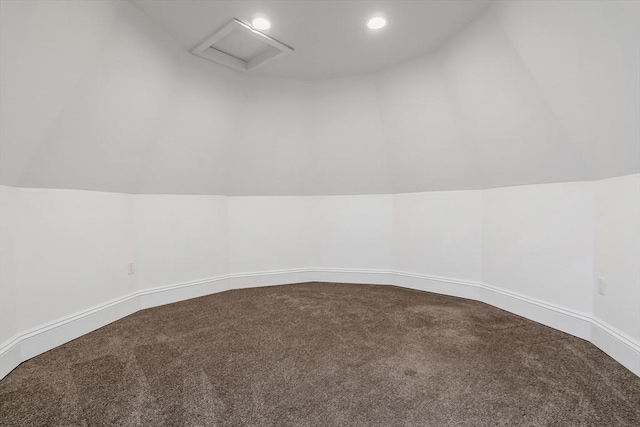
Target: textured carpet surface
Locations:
point(322, 354)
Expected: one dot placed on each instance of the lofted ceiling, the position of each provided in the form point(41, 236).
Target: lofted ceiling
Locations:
point(329, 37)
point(96, 95)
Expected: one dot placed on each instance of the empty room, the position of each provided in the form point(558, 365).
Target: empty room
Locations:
point(320, 213)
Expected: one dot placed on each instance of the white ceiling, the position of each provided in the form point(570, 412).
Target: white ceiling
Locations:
point(329, 37)
point(96, 96)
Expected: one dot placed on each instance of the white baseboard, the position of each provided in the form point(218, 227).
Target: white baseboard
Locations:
point(37, 340)
point(28, 344)
point(616, 344)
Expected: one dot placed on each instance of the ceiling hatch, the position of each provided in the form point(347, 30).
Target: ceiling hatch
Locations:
point(240, 46)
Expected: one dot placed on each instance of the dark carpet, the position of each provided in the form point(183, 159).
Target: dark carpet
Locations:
point(322, 354)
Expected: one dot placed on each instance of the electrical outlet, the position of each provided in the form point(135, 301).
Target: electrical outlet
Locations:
point(602, 285)
point(130, 269)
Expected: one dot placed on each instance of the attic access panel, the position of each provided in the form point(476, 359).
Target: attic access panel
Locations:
point(240, 46)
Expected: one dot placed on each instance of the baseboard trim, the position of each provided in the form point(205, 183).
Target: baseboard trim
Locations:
point(28, 344)
point(616, 344)
point(37, 340)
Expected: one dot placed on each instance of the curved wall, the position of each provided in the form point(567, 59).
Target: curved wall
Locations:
point(530, 92)
point(533, 250)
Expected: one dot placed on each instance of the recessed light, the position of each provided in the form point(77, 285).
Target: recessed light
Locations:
point(377, 22)
point(261, 23)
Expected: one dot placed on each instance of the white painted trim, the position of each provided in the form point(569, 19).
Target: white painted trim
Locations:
point(28, 344)
point(37, 340)
point(616, 344)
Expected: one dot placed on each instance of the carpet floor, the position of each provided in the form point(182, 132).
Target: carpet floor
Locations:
point(322, 354)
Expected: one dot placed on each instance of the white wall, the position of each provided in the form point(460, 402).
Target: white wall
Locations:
point(65, 251)
point(438, 234)
point(73, 250)
point(516, 137)
point(180, 238)
point(96, 96)
point(585, 60)
point(537, 240)
point(30, 89)
point(309, 137)
point(274, 233)
point(270, 233)
point(617, 253)
point(8, 280)
point(353, 232)
point(533, 240)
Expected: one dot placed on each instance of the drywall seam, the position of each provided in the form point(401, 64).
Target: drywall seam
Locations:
point(617, 344)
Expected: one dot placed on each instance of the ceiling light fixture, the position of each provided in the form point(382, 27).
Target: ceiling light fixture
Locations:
point(377, 22)
point(261, 23)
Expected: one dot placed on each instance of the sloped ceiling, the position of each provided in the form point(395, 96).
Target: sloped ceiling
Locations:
point(96, 95)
